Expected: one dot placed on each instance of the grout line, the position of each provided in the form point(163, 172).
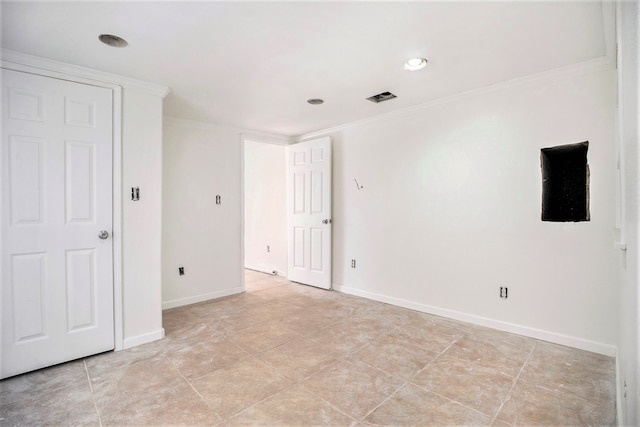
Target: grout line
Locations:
point(384, 401)
point(515, 380)
point(435, 358)
point(93, 398)
point(192, 387)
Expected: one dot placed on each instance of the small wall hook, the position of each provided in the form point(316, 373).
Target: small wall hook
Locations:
point(360, 187)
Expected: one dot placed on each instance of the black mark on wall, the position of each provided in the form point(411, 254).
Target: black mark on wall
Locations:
point(565, 183)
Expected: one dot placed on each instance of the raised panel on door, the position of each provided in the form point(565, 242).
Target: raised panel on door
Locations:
point(24, 104)
point(316, 249)
point(317, 191)
point(81, 289)
point(299, 193)
point(57, 275)
point(28, 296)
point(299, 247)
point(79, 112)
point(26, 175)
point(80, 181)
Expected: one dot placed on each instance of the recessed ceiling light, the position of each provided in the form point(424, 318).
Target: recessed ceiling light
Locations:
point(113, 41)
point(315, 101)
point(415, 64)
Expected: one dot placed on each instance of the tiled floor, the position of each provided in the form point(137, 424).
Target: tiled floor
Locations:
point(286, 354)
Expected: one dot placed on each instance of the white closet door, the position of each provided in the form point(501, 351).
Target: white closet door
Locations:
point(57, 254)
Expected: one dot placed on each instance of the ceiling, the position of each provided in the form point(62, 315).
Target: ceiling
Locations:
point(255, 64)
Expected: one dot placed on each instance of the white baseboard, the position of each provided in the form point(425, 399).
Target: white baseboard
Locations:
point(575, 342)
point(143, 339)
point(619, 393)
point(202, 297)
point(266, 271)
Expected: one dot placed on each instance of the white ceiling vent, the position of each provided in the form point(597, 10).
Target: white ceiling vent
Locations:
point(381, 97)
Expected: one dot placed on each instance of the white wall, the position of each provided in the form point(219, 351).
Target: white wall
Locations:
point(629, 93)
point(450, 210)
point(199, 163)
point(265, 207)
point(141, 220)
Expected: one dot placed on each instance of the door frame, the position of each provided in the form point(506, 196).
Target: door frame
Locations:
point(263, 139)
point(116, 163)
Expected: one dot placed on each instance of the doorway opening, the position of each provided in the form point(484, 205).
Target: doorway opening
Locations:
point(265, 207)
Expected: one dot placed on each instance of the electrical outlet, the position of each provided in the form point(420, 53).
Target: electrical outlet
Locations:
point(353, 263)
point(504, 292)
point(181, 271)
point(268, 248)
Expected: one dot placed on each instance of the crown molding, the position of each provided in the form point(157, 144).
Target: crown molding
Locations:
point(574, 70)
point(16, 60)
point(247, 134)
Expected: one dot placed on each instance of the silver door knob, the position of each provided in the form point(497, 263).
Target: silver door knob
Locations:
point(103, 234)
point(326, 221)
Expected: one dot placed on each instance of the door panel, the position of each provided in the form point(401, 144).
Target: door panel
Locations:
point(309, 217)
point(57, 275)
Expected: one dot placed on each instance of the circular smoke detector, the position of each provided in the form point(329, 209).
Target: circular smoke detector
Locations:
point(113, 41)
point(315, 101)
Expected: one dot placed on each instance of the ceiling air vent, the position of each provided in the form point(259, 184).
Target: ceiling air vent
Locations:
point(384, 96)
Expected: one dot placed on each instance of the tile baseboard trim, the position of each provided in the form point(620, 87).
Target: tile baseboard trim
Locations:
point(143, 339)
point(553, 337)
point(200, 298)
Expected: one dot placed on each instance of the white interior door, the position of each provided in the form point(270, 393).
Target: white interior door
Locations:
point(57, 268)
point(309, 212)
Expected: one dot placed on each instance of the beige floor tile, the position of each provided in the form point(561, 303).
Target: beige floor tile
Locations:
point(35, 384)
point(235, 388)
point(177, 318)
point(205, 357)
point(587, 375)
point(291, 407)
point(505, 356)
point(190, 334)
point(395, 356)
point(307, 321)
point(298, 359)
point(384, 316)
point(260, 338)
point(533, 405)
point(431, 332)
point(62, 407)
point(338, 308)
point(353, 387)
point(478, 387)
point(173, 406)
point(499, 423)
point(288, 354)
point(109, 362)
point(262, 283)
point(350, 335)
point(413, 406)
point(117, 388)
point(271, 310)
